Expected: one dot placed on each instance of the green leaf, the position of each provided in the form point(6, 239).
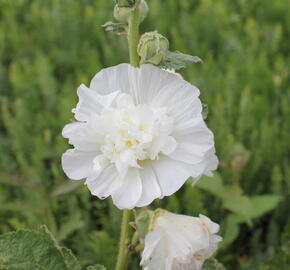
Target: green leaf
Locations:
point(252, 207)
point(70, 260)
point(213, 264)
point(231, 230)
point(244, 207)
point(215, 186)
point(96, 267)
point(34, 250)
point(177, 60)
point(263, 204)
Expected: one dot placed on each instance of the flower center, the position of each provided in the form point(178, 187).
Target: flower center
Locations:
point(134, 133)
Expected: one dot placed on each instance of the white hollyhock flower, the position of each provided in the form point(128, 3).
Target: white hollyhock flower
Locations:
point(139, 134)
point(178, 242)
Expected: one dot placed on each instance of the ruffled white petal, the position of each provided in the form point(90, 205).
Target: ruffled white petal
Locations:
point(170, 174)
point(185, 233)
point(105, 183)
point(129, 191)
point(71, 129)
point(211, 226)
point(91, 102)
point(151, 241)
point(154, 253)
point(180, 99)
point(101, 162)
point(83, 136)
point(204, 167)
point(123, 78)
point(184, 128)
point(150, 187)
point(78, 164)
point(211, 165)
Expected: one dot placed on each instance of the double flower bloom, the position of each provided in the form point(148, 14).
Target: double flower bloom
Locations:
point(139, 135)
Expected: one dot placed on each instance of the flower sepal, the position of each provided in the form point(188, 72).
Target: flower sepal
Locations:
point(142, 223)
point(117, 28)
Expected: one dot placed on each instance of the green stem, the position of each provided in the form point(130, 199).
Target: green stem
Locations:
point(133, 36)
point(123, 254)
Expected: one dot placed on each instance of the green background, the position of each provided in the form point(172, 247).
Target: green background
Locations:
point(48, 48)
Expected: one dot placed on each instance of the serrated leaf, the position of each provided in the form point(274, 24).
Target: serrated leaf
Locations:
point(115, 27)
point(34, 250)
point(70, 260)
point(96, 267)
point(177, 60)
point(213, 264)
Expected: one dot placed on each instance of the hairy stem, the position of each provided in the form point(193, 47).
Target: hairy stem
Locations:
point(133, 36)
point(123, 254)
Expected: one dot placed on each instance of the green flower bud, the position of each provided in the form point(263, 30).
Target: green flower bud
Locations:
point(143, 10)
point(125, 3)
point(152, 48)
point(122, 13)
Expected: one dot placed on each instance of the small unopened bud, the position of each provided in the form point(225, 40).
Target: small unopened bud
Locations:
point(125, 3)
point(143, 10)
point(122, 13)
point(152, 48)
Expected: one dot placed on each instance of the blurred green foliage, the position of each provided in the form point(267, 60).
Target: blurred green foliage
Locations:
point(48, 48)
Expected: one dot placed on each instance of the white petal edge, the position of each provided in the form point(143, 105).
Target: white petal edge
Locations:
point(130, 190)
point(76, 164)
point(171, 174)
point(105, 183)
point(150, 187)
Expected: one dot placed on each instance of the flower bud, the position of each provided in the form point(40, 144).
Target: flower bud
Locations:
point(143, 10)
point(152, 48)
point(125, 3)
point(122, 12)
